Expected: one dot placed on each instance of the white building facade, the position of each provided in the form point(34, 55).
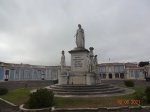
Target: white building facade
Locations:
point(23, 72)
point(17, 72)
point(121, 71)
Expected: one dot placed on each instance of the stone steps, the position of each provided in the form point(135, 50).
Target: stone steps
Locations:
point(88, 93)
point(98, 85)
point(80, 90)
point(81, 87)
point(85, 90)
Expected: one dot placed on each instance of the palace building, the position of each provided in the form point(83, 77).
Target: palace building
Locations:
point(23, 72)
point(121, 71)
point(16, 72)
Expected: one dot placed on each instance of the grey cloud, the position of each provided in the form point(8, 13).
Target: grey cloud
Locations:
point(35, 31)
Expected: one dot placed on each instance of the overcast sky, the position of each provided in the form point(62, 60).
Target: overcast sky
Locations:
point(36, 31)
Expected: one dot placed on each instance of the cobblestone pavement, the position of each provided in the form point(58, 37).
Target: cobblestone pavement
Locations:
point(4, 107)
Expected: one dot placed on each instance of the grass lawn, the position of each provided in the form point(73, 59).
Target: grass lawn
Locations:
point(17, 96)
point(20, 96)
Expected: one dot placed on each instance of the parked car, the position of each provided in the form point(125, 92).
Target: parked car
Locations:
point(147, 78)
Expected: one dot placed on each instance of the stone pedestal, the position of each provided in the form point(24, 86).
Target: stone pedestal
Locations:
point(78, 78)
point(79, 67)
point(79, 60)
point(91, 79)
point(79, 74)
point(62, 79)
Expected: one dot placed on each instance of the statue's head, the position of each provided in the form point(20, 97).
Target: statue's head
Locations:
point(79, 25)
point(91, 48)
point(63, 52)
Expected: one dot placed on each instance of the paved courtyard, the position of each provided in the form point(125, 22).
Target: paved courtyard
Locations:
point(121, 82)
point(21, 84)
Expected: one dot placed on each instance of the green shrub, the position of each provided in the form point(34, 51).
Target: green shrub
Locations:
point(129, 83)
point(147, 94)
point(42, 98)
point(139, 96)
point(3, 91)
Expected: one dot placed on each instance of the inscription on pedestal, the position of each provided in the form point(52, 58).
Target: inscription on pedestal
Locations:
point(78, 61)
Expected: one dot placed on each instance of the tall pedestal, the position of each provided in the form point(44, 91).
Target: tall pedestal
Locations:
point(79, 69)
point(79, 60)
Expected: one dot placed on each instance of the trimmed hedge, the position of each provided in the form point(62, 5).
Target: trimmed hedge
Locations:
point(147, 93)
point(3, 91)
point(129, 83)
point(42, 98)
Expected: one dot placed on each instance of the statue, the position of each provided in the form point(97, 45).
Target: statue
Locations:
point(91, 60)
point(95, 63)
point(80, 40)
point(88, 62)
point(63, 63)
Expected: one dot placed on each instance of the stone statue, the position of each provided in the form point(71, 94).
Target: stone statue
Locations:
point(63, 63)
point(95, 63)
point(91, 55)
point(88, 62)
point(80, 40)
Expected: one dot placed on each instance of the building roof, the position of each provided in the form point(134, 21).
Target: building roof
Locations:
point(117, 63)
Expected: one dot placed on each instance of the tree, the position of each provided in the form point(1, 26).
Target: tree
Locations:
point(142, 64)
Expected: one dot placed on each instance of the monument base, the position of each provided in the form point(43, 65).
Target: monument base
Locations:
point(62, 79)
point(78, 79)
point(91, 79)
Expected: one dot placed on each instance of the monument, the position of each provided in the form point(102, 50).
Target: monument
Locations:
point(83, 79)
point(83, 65)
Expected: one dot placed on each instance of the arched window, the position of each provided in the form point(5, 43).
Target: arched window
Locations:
point(104, 76)
point(121, 75)
point(116, 75)
point(110, 75)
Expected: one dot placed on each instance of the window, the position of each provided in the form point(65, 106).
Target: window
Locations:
point(35, 74)
point(17, 74)
point(132, 74)
point(121, 68)
point(116, 75)
point(122, 75)
point(110, 75)
point(104, 76)
point(103, 69)
point(54, 74)
point(26, 74)
point(7, 72)
point(116, 69)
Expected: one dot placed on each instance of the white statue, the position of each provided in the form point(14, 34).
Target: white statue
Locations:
point(88, 62)
point(80, 42)
point(95, 63)
point(63, 63)
point(91, 62)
